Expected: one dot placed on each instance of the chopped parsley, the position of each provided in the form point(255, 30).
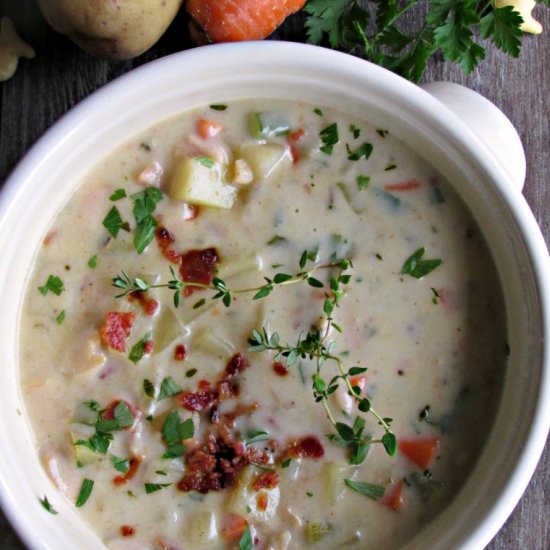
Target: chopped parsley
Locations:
point(117, 195)
point(138, 349)
point(168, 388)
point(363, 182)
point(246, 542)
point(364, 150)
point(218, 107)
point(120, 464)
point(46, 504)
point(354, 131)
point(85, 492)
point(60, 318)
point(92, 262)
point(148, 388)
point(329, 137)
point(205, 161)
point(174, 430)
point(154, 487)
point(145, 203)
point(318, 111)
point(113, 222)
point(367, 489)
point(418, 268)
point(53, 284)
point(190, 373)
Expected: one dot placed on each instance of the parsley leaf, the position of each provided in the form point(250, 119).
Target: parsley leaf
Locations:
point(145, 203)
point(85, 492)
point(329, 137)
point(120, 464)
point(153, 487)
point(174, 430)
point(117, 195)
point(168, 388)
point(501, 25)
point(416, 267)
point(367, 489)
point(113, 222)
point(53, 284)
point(364, 150)
point(246, 543)
point(46, 504)
point(138, 349)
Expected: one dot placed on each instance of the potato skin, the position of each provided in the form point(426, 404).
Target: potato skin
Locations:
point(113, 29)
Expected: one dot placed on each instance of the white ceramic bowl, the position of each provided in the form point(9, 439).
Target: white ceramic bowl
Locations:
point(48, 175)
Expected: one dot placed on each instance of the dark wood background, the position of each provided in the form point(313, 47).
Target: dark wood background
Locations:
point(61, 75)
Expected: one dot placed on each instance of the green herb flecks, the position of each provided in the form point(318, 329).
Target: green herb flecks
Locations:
point(362, 182)
point(367, 489)
point(154, 487)
point(139, 349)
point(145, 203)
point(117, 195)
point(168, 388)
point(174, 431)
point(329, 137)
point(53, 284)
point(449, 28)
point(120, 464)
point(364, 150)
point(60, 317)
point(113, 222)
point(85, 492)
point(416, 267)
point(245, 542)
point(205, 161)
point(148, 388)
point(218, 107)
point(46, 504)
point(92, 262)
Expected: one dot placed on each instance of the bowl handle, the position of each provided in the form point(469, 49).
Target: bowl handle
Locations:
point(487, 122)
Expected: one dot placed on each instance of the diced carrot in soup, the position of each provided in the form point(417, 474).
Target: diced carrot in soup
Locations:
point(420, 450)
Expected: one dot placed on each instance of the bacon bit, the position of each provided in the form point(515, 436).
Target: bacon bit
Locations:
point(232, 527)
point(393, 498)
point(180, 352)
point(419, 450)
point(410, 185)
point(148, 346)
point(165, 239)
point(50, 236)
point(227, 389)
point(280, 368)
point(127, 530)
point(204, 385)
point(196, 401)
point(262, 500)
point(266, 480)
point(190, 211)
point(198, 266)
point(116, 328)
point(149, 305)
point(236, 365)
point(293, 149)
point(208, 128)
point(132, 470)
point(240, 410)
point(305, 447)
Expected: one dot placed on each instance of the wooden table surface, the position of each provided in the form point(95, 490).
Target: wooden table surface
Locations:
point(61, 75)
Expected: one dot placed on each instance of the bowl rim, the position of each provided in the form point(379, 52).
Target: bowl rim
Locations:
point(398, 89)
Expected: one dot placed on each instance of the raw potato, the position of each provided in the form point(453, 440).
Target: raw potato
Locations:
point(115, 29)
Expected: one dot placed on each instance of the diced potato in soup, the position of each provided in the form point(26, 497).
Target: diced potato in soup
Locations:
point(298, 343)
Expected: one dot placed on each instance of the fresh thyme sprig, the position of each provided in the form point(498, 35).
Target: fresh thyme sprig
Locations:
point(222, 291)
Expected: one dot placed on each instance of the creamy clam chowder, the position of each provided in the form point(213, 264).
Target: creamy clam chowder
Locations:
point(261, 325)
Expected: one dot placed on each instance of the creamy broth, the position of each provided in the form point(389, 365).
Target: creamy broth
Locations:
point(434, 346)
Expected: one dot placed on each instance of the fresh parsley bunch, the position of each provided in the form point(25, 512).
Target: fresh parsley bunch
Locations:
point(453, 28)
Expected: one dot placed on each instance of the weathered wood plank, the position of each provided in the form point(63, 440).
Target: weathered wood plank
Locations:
point(61, 75)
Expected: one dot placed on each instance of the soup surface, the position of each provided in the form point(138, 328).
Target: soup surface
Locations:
point(262, 324)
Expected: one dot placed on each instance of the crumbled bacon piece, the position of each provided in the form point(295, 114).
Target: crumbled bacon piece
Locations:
point(149, 305)
point(165, 239)
point(132, 470)
point(180, 353)
point(148, 346)
point(227, 389)
point(236, 365)
point(116, 328)
point(198, 266)
point(265, 480)
point(127, 530)
point(196, 401)
point(305, 447)
point(280, 368)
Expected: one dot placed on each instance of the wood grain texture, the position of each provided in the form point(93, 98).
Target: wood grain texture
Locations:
point(61, 75)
